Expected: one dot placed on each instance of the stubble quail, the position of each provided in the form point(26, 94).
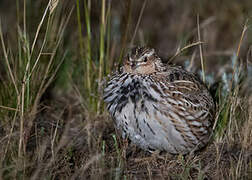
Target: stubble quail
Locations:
point(158, 106)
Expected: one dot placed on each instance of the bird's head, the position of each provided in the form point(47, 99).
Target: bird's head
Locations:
point(142, 60)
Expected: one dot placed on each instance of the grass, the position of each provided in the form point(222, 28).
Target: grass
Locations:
point(57, 128)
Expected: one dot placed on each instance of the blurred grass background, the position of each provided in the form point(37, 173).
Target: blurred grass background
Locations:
point(54, 60)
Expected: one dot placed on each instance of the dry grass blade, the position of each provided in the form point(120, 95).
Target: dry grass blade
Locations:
point(201, 54)
point(189, 68)
point(21, 138)
point(39, 27)
point(7, 61)
point(45, 83)
point(53, 5)
point(84, 168)
point(88, 60)
point(179, 51)
point(245, 27)
point(9, 108)
point(138, 22)
point(101, 60)
point(126, 29)
point(40, 52)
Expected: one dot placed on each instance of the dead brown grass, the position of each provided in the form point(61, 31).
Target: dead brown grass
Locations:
point(68, 144)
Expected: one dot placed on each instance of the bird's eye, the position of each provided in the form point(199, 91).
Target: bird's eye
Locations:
point(128, 58)
point(145, 59)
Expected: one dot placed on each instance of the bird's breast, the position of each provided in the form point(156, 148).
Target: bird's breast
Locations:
point(126, 88)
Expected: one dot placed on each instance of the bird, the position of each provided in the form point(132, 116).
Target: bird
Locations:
point(159, 107)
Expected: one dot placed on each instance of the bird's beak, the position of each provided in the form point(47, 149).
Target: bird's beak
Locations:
point(134, 65)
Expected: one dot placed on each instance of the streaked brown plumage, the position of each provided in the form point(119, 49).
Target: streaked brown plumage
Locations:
point(159, 107)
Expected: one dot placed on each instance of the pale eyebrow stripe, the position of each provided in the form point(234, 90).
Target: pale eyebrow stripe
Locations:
point(150, 53)
point(147, 55)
